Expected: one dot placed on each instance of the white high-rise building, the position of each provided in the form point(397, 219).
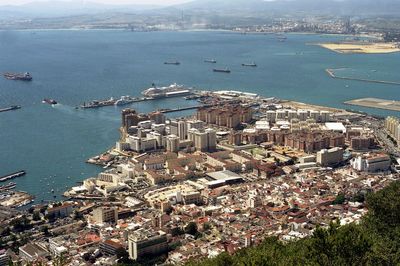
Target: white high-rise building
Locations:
point(172, 144)
point(182, 130)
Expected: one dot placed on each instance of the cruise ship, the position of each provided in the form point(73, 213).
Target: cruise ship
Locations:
point(174, 90)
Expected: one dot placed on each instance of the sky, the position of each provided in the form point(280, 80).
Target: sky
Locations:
point(111, 2)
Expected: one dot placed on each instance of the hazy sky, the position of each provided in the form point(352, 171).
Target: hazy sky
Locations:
point(141, 2)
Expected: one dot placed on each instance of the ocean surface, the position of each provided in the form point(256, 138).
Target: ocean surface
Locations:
point(53, 143)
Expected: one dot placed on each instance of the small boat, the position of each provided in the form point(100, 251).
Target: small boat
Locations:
point(226, 70)
point(213, 61)
point(250, 64)
point(172, 63)
point(124, 100)
point(49, 101)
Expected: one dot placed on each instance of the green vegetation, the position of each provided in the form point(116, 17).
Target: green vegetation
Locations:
point(375, 241)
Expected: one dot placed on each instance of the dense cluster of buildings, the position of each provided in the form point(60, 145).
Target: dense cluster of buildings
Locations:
point(152, 132)
point(180, 189)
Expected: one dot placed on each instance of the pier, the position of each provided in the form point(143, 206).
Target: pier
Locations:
point(331, 73)
point(164, 111)
point(11, 176)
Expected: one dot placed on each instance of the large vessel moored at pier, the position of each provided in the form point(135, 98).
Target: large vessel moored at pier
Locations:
point(174, 90)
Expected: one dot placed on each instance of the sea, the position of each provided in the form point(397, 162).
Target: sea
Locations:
point(52, 143)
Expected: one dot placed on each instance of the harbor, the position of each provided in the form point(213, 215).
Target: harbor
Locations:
point(152, 93)
point(15, 199)
point(376, 103)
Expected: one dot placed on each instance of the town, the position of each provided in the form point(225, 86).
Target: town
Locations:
point(242, 168)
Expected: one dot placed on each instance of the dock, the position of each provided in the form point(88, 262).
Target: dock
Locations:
point(331, 73)
point(376, 103)
point(164, 111)
point(12, 176)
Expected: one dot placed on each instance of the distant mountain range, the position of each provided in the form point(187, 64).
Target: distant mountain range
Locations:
point(66, 8)
point(332, 7)
point(220, 7)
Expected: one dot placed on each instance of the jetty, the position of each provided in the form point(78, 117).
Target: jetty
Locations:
point(331, 73)
point(12, 176)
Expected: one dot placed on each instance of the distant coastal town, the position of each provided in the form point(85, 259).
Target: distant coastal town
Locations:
point(241, 168)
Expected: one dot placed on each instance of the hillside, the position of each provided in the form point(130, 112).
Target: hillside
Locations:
point(375, 241)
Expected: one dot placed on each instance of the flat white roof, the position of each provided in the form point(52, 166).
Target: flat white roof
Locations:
point(335, 126)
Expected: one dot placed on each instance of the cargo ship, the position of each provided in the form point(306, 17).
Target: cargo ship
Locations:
point(49, 101)
point(18, 76)
point(174, 90)
point(9, 186)
point(213, 61)
point(12, 176)
point(226, 70)
point(98, 103)
point(249, 64)
point(172, 63)
point(13, 107)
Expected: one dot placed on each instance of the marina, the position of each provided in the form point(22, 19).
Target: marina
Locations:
point(376, 103)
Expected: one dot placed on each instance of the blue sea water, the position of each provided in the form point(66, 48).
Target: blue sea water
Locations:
point(53, 143)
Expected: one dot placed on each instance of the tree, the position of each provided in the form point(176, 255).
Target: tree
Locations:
point(176, 231)
point(340, 199)
point(36, 216)
point(191, 228)
point(206, 226)
point(122, 255)
point(43, 209)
